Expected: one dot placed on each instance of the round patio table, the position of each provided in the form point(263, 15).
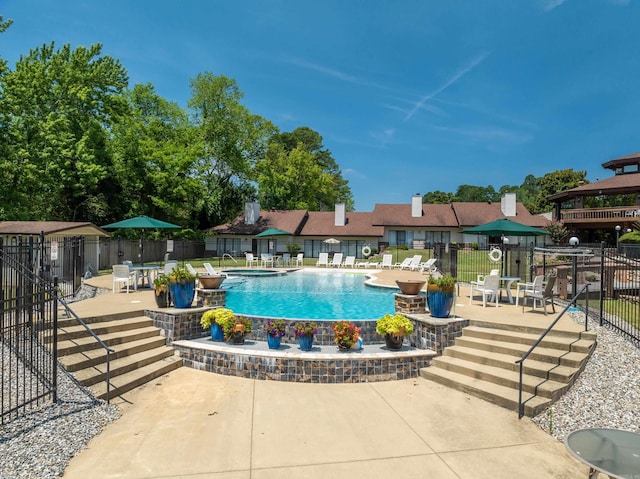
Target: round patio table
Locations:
point(611, 451)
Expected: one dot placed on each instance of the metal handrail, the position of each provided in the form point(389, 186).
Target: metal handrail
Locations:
point(100, 342)
point(231, 257)
point(542, 336)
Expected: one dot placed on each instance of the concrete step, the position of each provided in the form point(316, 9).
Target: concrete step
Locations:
point(535, 330)
point(86, 343)
point(132, 379)
point(494, 393)
point(67, 321)
point(531, 384)
point(103, 327)
point(543, 369)
point(563, 342)
point(92, 357)
point(542, 354)
point(121, 366)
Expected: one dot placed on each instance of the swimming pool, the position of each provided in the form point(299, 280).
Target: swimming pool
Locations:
point(311, 295)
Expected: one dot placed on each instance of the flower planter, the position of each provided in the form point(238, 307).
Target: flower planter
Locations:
point(393, 342)
point(306, 343)
point(273, 341)
point(211, 281)
point(162, 296)
point(217, 334)
point(410, 286)
point(182, 293)
point(440, 301)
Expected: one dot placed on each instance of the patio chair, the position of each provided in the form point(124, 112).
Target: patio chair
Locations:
point(480, 278)
point(528, 286)
point(349, 262)
point(122, 274)
point(300, 259)
point(212, 271)
point(170, 265)
point(541, 294)
point(336, 260)
point(266, 260)
point(323, 260)
point(489, 289)
point(415, 262)
point(250, 260)
point(405, 264)
point(387, 261)
point(286, 259)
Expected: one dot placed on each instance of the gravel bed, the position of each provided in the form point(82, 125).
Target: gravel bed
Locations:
point(606, 394)
point(41, 443)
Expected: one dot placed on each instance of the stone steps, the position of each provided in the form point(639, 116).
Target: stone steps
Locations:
point(482, 362)
point(140, 353)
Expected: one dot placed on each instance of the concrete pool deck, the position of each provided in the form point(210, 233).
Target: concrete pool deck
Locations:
point(201, 425)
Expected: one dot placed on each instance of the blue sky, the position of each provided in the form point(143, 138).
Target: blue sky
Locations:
point(410, 96)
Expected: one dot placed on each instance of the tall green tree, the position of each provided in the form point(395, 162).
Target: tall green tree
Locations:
point(299, 173)
point(476, 193)
point(154, 160)
point(438, 198)
point(58, 106)
point(229, 140)
point(554, 182)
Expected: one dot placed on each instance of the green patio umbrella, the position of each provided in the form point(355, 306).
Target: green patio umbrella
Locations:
point(272, 232)
point(505, 227)
point(141, 222)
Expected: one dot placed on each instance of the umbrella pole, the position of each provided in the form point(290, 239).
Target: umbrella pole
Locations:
point(142, 249)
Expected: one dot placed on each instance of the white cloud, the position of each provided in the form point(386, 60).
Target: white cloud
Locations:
point(551, 4)
point(457, 76)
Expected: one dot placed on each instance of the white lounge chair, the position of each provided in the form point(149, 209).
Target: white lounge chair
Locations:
point(191, 269)
point(122, 274)
point(429, 266)
point(415, 262)
point(300, 259)
point(323, 260)
point(336, 261)
point(349, 262)
point(405, 264)
point(542, 292)
point(250, 260)
point(489, 289)
point(212, 271)
point(387, 261)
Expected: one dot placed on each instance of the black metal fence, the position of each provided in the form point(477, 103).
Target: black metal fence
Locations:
point(28, 331)
point(620, 293)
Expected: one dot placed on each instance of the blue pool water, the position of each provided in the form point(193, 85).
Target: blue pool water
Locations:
point(311, 295)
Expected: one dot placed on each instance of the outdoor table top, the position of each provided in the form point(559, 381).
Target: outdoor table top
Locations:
point(611, 451)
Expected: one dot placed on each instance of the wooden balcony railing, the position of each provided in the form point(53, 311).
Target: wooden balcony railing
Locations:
point(601, 215)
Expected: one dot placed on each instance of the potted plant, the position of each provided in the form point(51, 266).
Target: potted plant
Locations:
point(161, 289)
point(235, 328)
point(394, 328)
point(346, 334)
point(213, 319)
point(304, 331)
point(440, 295)
point(182, 285)
point(275, 329)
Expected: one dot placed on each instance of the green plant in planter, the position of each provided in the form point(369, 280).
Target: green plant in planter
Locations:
point(161, 282)
point(445, 282)
point(396, 325)
point(216, 315)
point(182, 275)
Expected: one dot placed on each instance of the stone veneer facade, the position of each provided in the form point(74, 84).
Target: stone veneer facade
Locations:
point(304, 367)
